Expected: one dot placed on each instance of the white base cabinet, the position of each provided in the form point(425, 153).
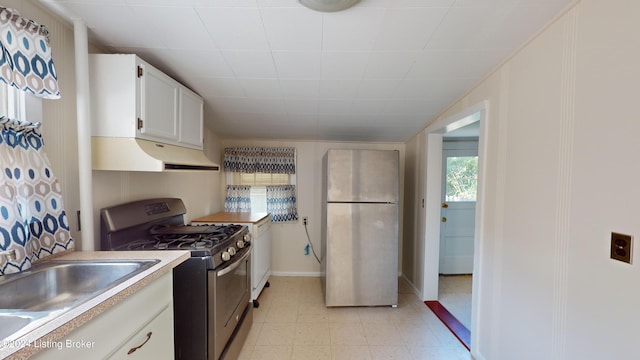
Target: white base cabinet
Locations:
point(261, 234)
point(140, 327)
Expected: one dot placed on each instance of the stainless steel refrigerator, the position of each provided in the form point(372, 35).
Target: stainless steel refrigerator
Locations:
point(359, 263)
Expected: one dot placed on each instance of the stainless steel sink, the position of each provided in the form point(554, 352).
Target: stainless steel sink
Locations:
point(30, 298)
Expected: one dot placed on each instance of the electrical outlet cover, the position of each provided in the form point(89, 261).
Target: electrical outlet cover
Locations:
point(621, 247)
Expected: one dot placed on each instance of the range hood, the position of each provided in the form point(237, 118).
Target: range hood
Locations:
point(130, 154)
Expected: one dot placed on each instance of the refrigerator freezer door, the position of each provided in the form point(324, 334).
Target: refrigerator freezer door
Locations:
point(362, 254)
point(362, 176)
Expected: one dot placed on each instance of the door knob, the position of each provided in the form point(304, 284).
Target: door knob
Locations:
point(445, 205)
point(444, 219)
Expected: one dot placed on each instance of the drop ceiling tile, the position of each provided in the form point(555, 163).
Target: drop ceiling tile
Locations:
point(190, 3)
point(440, 92)
point(369, 106)
point(302, 106)
point(425, 3)
point(376, 89)
point(293, 29)
point(217, 87)
point(251, 64)
point(409, 29)
point(279, 3)
point(351, 75)
point(344, 65)
point(354, 29)
point(300, 89)
point(226, 104)
point(389, 65)
point(207, 63)
point(334, 106)
point(484, 3)
point(264, 106)
point(99, 17)
point(298, 64)
point(176, 27)
point(454, 31)
point(454, 64)
point(234, 28)
point(338, 89)
point(522, 21)
point(260, 88)
point(411, 107)
point(93, 2)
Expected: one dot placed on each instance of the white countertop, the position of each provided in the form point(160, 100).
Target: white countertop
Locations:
point(68, 321)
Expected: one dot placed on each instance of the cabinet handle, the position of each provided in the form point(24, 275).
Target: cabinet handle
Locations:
point(133, 349)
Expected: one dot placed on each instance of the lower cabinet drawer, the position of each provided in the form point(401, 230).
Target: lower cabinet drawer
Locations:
point(153, 341)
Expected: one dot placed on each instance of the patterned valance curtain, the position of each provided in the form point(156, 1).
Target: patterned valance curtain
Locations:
point(281, 203)
point(238, 198)
point(26, 62)
point(33, 222)
point(279, 160)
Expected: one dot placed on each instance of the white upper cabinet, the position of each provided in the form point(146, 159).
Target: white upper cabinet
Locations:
point(190, 118)
point(158, 105)
point(131, 98)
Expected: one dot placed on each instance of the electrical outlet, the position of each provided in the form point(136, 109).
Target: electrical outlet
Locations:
point(305, 220)
point(621, 247)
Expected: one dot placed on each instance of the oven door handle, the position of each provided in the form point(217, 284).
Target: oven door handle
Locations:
point(233, 266)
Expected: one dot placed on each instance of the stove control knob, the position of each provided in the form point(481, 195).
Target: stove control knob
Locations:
point(247, 237)
point(240, 244)
point(226, 256)
point(231, 251)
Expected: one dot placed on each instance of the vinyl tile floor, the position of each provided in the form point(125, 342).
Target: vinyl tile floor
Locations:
point(292, 322)
point(454, 293)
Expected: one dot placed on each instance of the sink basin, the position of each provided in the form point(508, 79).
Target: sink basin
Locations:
point(11, 324)
point(46, 290)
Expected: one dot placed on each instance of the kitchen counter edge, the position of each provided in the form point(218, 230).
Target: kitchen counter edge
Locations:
point(233, 217)
point(62, 325)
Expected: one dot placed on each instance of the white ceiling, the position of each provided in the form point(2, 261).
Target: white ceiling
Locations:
point(378, 71)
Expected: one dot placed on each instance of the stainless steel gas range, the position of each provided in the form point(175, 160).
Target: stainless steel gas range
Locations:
point(211, 290)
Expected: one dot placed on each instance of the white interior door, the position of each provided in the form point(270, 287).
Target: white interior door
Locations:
point(459, 188)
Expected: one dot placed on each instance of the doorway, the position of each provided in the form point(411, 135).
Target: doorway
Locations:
point(473, 119)
point(457, 226)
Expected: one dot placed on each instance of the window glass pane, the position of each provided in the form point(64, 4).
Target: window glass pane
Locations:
point(462, 178)
point(258, 199)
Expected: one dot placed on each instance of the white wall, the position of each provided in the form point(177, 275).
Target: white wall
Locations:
point(562, 174)
point(289, 239)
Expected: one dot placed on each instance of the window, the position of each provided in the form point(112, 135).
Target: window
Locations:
point(19, 105)
point(258, 183)
point(462, 178)
point(262, 179)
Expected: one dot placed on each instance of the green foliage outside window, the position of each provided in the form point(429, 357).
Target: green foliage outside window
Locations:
point(462, 178)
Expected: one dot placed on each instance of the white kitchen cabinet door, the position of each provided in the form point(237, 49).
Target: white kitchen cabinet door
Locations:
point(261, 260)
point(190, 118)
point(158, 105)
point(150, 309)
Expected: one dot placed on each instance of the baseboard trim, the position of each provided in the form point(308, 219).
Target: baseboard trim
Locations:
point(295, 273)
